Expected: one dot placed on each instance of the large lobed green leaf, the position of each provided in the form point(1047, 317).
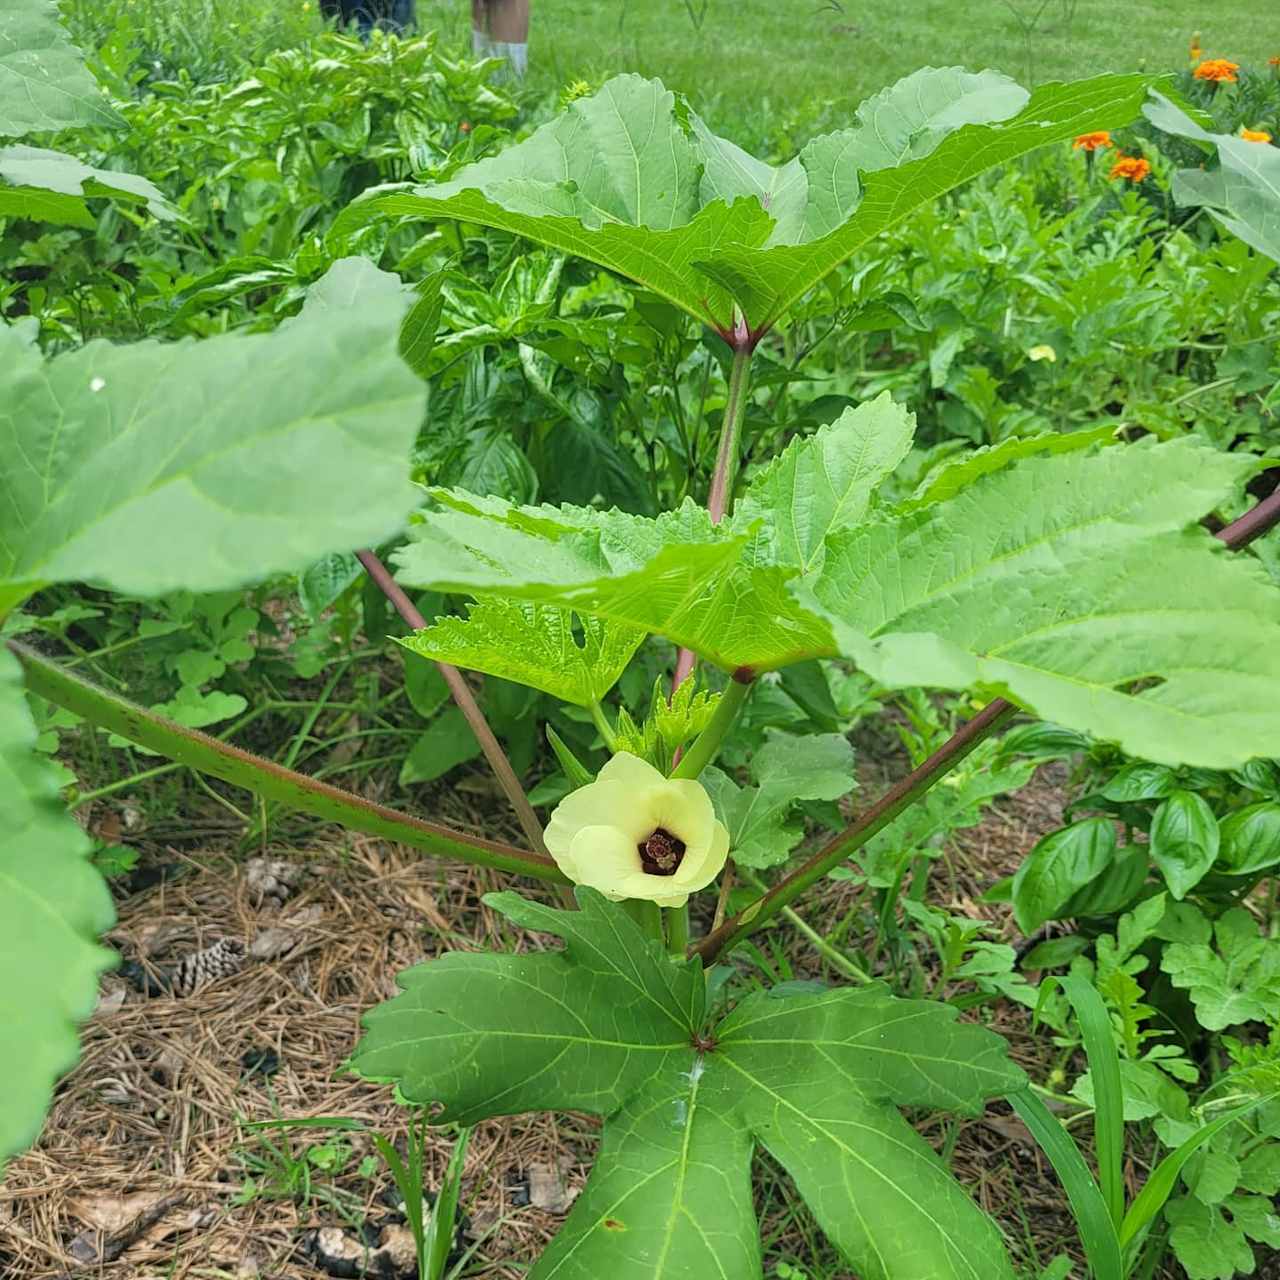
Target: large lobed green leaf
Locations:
point(720, 590)
point(1077, 583)
point(53, 905)
point(1079, 586)
point(680, 575)
point(614, 1026)
point(44, 84)
point(206, 465)
point(1243, 192)
point(48, 186)
point(632, 179)
point(149, 468)
point(539, 645)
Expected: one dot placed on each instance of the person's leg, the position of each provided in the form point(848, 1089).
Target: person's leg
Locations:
point(404, 16)
point(481, 43)
point(500, 29)
point(509, 20)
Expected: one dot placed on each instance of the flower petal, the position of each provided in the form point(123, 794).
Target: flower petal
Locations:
point(606, 859)
point(700, 867)
point(636, 773)
point(683, 807)
point(596, 804)
point(653, 889)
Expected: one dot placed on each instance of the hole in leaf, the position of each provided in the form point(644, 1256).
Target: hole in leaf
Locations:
point(1141, 685)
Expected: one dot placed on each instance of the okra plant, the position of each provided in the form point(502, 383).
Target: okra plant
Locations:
point(1067, 574)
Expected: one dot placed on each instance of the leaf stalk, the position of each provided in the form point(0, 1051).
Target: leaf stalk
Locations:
point(265, 777)
point(708, 742)
point(466, 703)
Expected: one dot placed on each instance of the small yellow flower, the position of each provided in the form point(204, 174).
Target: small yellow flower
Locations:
point(1255, 135)
point(1042, 352)
point(633, 833)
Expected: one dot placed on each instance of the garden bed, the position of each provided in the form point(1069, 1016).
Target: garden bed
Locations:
point(142, 1164)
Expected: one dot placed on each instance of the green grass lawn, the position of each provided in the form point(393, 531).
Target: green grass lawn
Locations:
point(769, 71)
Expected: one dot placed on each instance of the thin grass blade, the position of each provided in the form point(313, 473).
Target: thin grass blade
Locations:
point(1093, 1221)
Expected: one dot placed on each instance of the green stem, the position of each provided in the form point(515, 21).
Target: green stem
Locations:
point(265, 777)
point(708, 741)
point(889, 806)
point(601, 722)
point(677, 929)
point(648, 915)
point(720, 499)
point(820, 944)
point(76, 798)
point(92, 655)
point(313, 714)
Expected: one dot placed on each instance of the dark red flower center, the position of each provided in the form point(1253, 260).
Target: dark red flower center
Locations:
point(661, 853)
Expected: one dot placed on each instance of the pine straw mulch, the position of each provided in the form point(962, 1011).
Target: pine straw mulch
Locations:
point(145, 1139)
point(150, 1117)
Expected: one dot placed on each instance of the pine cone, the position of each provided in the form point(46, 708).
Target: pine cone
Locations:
point(200, 967)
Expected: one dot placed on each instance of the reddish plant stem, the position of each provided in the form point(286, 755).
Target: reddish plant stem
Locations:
point(1253, 524)
point(466, 702)
point(266, 778)
point(720, 497)
point(899, 797)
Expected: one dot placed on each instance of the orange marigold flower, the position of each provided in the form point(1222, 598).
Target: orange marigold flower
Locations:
point(1098, 141)
point(1135, 168)
point(1219, 70)
point(1274, 61)
point(1255, 135)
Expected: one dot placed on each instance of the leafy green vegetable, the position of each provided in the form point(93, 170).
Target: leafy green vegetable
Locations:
point(785, 770)
point(44, 84)
point(679, 575)
point(1060, 864)
point(1238, 980)
point(1212, 1240)
point(252, 454)
point(1035, 582)
point(631, 179)
point(53, 905)
point(1141, 780)
point(824, 483)
point(953, 476)
point(534, 644)
point(1184, 840)
point(47, 186)
point(1242, 193)
point(1250, 839)
point(613, 1026)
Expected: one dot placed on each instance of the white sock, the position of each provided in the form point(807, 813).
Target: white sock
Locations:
point(481, 45)
point(516, 54)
